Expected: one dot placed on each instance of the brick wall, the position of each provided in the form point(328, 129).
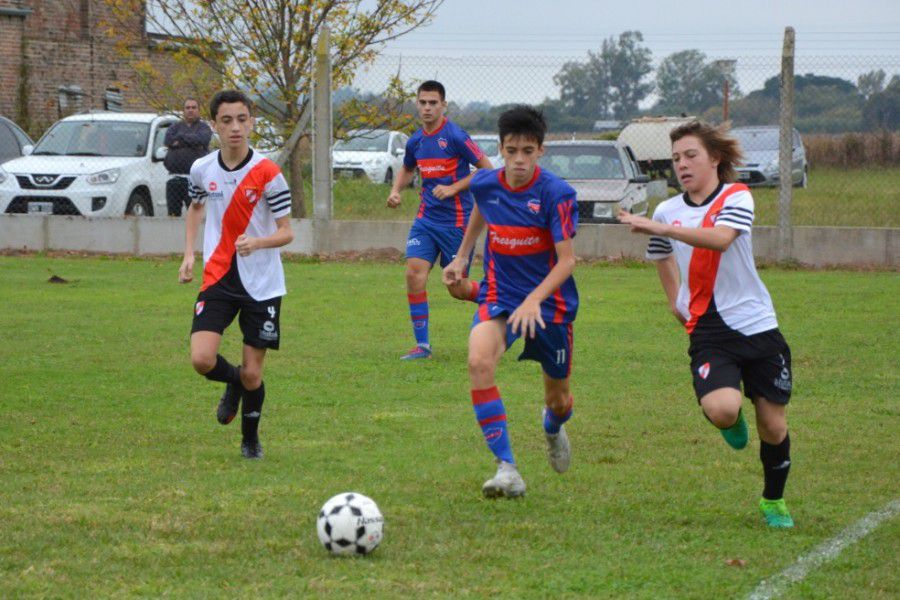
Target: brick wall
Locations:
point(63, 46)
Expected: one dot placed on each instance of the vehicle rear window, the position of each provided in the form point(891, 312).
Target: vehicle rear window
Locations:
point(95, 138)
point(364, 142)
point(583, 162)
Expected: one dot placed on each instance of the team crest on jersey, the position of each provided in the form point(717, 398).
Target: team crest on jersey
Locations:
point(442, 143)
point(212, 186)
point(703, 371)
point(198, 308)
point(534, 205)
point(252, 196)
point(676, 223)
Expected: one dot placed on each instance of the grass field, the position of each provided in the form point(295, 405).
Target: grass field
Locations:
point(117, 481)
point(840, 197)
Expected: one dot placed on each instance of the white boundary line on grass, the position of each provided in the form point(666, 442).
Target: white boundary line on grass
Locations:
point(823, 553)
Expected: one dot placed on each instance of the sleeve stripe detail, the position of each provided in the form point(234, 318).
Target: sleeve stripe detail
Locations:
point(280, 206)
point(278, 196)
point(737, 208)
point(733, 219)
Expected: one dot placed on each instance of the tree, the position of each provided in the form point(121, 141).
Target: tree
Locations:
point(610, 83)
point(882, 111)
point(687, 83)
point(871, 83)
point(267, 48)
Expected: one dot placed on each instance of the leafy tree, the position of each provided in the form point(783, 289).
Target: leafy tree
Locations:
point(882, 111)
point(687, 83)
point(610, 84)
point(871, 83)
point(266, 48)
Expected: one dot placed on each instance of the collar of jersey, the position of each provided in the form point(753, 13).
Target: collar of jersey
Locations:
point(431, 133)
point(710, 198)
point(501, 177)
point(240, 165)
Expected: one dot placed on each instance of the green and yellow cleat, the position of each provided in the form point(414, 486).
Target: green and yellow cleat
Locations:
point(738, 434)
point(776, 513)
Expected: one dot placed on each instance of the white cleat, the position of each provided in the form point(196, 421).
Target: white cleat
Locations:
point(506, 483)
point(559, 452)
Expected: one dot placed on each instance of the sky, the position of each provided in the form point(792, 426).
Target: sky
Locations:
point(509, 50)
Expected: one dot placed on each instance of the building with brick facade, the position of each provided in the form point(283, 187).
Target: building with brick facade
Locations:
point(55, 60)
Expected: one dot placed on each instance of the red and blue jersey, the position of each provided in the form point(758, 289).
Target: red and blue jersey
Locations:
point(523, 227)
point(443, 157)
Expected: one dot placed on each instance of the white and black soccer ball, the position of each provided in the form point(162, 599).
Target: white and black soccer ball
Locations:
point(350, 523)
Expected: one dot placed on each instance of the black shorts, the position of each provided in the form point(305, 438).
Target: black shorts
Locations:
point(762, 361)
point(259, 320)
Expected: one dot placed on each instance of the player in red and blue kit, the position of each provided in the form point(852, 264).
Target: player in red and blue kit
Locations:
point(443, 153)
point(527, 291)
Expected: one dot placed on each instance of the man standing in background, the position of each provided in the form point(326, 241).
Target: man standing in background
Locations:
point(187, 141)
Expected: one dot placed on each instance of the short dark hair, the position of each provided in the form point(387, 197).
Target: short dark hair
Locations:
point(191, 99)
point(228, 97)
point(718, 144)
point(432, 86)
point(522, 120)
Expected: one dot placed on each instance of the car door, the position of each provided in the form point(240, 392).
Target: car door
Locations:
point(796, 157)
point(158, 175)
point(9, 144)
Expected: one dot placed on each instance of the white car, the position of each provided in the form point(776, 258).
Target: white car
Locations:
point(490, 145)
point(98, 164)
point(376, 154)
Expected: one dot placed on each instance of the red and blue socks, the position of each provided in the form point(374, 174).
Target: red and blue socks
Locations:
point(418, 313)
point(553, 422)
point(491, 417)
point(776, 461)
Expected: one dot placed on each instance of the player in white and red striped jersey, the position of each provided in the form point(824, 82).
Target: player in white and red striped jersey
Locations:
point(701, 241)
point(248, 206)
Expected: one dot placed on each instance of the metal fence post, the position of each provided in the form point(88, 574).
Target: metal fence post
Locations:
point(785, 145)
point(322, 130)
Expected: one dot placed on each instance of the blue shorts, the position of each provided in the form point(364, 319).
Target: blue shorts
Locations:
point(426, 241)
point(552, 346)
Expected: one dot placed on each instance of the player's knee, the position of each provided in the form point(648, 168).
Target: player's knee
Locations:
point(772, 427)
point(416, 278)
point(480, 365)
point(203, 362)
point(557, 401)
point(721, 416)
point(251, 377)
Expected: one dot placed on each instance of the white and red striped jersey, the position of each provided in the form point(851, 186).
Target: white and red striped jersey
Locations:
point(720, 292)
point(243, 200)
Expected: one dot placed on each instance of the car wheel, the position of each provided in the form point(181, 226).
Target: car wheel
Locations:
point(389, 176)
point(138, 205)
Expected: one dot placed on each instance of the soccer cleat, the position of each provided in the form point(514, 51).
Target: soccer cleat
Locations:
point(507, 482)
point(559, 452)
point(228, 404)
point(252, 450)
point(776, 513)
point(420, 351)
point(738, 434)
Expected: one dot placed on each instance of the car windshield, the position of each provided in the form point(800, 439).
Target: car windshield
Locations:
point(753, 140)
point(365, 142)
point(95, 138)
point(583, 162)
point(489, 146)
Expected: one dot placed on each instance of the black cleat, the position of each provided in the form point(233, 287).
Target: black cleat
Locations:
point(228, 404)
point(252, 450)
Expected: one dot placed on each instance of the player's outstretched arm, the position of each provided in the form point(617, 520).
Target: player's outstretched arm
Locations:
point(283, 236)
point(717, 238)
point(448, 191)
point(527, 316)
point(401, 181)
point(455, 271)
point(667, 269)
point(191, 224)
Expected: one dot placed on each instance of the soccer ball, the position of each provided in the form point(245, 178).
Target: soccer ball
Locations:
point(350, 523)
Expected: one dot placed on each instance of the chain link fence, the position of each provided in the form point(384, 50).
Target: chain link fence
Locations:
point(845, 148)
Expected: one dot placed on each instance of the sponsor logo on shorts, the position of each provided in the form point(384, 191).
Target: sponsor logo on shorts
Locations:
point(534, 205)
point(703, 371)
point(198, 308)
point(494, 201)
point(268, 331)
point(413, 242)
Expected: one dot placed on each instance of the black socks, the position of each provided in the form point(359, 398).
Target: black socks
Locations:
point(776, 460)
point(251, 411)
point(224, 371)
